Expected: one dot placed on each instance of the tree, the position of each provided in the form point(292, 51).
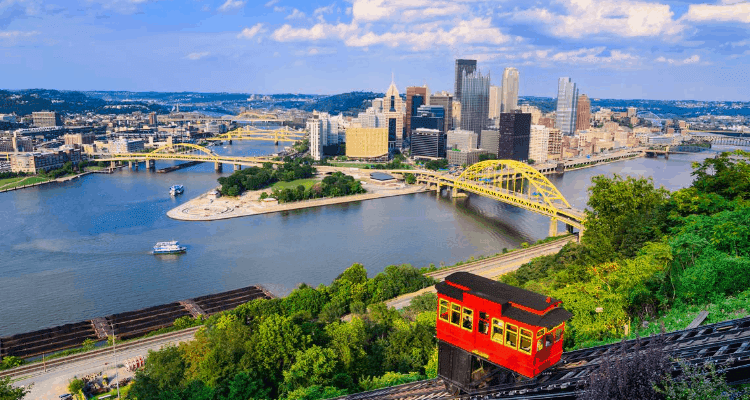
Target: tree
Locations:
point(8, 392)
point(410, 179)
point(697, 383)
point(313, 366)
point(284, 337)
point(75, 386)
point(246, 385)
point(163, 373)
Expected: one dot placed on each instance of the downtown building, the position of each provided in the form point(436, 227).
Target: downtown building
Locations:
point(324, 132)
point(46, 119)
point(539, 143)
point(463, 68)
point(509, 92)
point(567, 98)
point(583, 113)
point(511, 139)
point(416, 96)
point(445, 100)
point(367, 143)
point(428, 136)
point(475, 102)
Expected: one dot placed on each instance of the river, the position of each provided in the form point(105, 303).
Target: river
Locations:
point(81, 249)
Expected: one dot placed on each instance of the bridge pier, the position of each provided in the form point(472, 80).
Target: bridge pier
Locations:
point(217, 167)
point(113, 164)
point(569, 228)
point(454, 192)
point(237, 167)
point(230, 141)
point(553, 227)
point(151, 164)
point(437, 189)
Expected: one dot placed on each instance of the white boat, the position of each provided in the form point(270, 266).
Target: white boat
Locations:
point(176, 189)
point(172, 247)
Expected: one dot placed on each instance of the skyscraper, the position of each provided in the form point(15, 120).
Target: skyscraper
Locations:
point(393, 110)
point(463, 67)
point(509, 99)
point(495, 94)
point(515, 136)
point(445, 100)
point(567, 97)
point(416, 96)
point(583, 113)
point(475, 101)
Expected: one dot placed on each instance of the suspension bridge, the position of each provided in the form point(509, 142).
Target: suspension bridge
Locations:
point(269, 135)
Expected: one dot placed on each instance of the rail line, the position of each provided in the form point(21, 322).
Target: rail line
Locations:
point(723, 343)
point(41, 367)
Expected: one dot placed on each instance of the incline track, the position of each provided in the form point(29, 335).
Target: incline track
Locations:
point(726, 343)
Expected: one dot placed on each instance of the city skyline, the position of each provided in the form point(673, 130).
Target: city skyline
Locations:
point(677, 51)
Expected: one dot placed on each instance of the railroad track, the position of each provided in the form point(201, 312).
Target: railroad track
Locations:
point(726, 343)
point(40, 367)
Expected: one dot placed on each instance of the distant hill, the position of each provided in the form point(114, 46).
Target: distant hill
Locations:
point(23, 102)
point(347, 103)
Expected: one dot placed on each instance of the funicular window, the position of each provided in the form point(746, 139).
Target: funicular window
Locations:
point(558, 332)
point(525, 343)
point(497, 330)
point(540, 339)
point(484, 323)
point(468, 319)
point(455, 314)
point(511, 336)
point(443, 310)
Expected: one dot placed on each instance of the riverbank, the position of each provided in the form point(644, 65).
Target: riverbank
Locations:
point(18, 186)
point(202, 208)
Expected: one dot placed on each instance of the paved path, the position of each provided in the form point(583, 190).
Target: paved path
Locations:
point(490, 267)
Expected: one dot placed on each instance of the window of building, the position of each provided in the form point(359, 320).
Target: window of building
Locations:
point(455, 314)
point(497, 330)
point(540, 339)
point(558, 332)
point(468, 319)
point(484, 324)
point(511, 336)
point(524, 344)
point(443, 310)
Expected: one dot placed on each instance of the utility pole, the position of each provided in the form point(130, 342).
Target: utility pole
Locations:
point(114, 354)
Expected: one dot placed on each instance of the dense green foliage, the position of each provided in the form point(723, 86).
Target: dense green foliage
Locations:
point(8, 392)
point(255, 178)
point(336, 185)
point(299, 348)
point(436, 164)
point(398, 162)
point(648, 253)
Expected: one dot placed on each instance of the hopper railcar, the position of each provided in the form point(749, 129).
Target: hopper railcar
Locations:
point(491, 333)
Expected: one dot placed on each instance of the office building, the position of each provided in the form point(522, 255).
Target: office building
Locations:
point(491, 140)
point(509, 98)
point(567, 97)
point(428, 143)
point(632, 111)
point(515, 135)
point(464, 157)
point(475, 101)
point(416, 96)
point(429, 117)
point(538, 143)
point(367, 143)
point(123, 145)
point(32, 163)
point(445, 100)
point(324, 132)
point(46, 118)
point(583, 113)
point(460, 139)
point(495, 94)
point(152, 120)
point(554, 145)
point(393, 112)
point(463, 68)
point(536, 113)
point(78, 139)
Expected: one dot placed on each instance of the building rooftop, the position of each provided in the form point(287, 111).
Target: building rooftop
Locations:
point(381, 176)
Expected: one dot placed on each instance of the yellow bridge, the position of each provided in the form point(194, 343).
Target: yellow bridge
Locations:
point(185, 152)
point(510, 182)
point(270, 135)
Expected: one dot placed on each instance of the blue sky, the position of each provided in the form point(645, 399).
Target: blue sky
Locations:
point(613, 49)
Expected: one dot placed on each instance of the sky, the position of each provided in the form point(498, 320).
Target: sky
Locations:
point(663, 49)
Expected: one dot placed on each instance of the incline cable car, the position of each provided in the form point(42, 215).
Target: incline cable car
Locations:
point(491, 333)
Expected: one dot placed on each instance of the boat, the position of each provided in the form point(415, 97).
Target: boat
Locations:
point(176, 189)
point(172, 247)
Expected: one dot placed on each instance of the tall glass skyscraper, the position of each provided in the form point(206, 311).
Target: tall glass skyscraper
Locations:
point(567, 99)
point(462, 67)
point(509, 98)
point(475, 101)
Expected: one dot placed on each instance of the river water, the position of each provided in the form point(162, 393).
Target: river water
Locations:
point(81, 249)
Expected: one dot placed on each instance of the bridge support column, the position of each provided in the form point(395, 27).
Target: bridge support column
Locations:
point(454, 192)
point(113, 164)
point(437, 189)
point(553, 227)
point(217, 167)
point(276, 143)
point(237, 167)
point(569, 228)
point(151, 164)
point(230, 141)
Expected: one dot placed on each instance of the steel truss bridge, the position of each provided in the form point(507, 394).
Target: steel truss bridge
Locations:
point(185, 152)
point(513, 183)
point(724, 140)
point(269, 135)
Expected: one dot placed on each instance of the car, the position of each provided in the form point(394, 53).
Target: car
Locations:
point(66, 396)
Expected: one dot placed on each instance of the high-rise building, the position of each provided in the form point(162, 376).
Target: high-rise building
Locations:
point(367, 143)
point(583, 113)
point(539, 143)
point(463, 67)
point(416, 96)
point(393, 111)
point(632, 111)
point(152, 120)
point(535, 112)
point(515, 135)
point(428, 143)
point(46, 118)
point(78, 139)
point(429, 117)
point(554, 145)
point(509, 98)
point(462, 140)
point(567, 96)
point(495, 94)
point(475, 101)
point(445, 100)
point(324, 131)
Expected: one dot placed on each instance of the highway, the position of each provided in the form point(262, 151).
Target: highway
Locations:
point(52, 382)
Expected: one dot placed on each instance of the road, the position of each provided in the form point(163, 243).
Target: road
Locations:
point(489, 268)
point(53, 382)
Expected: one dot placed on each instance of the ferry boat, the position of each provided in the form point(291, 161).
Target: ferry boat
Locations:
point(176, 189)
point(172, 247)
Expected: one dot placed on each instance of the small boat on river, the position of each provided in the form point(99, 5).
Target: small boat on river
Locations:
point(172, 247)
point(176, 189)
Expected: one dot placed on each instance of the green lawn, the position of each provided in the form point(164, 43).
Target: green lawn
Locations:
point(350, 165)
point(123, 393)
point(95, 168)
point(307, 183)
point(13, 182)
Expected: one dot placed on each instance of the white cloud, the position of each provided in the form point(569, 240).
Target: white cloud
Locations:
point(31, 7)
point(406, 10)
point(319, 31)
point(736, 11)
point(296, 14)
point(271, 2)
point(279, 9)
point(122, 6)
point(594, 56)
point(324, 10)
point(249, 33)
point(230, 5)
point(12, 35)
point(694, 59)
point(197, 56)
point(585, 18)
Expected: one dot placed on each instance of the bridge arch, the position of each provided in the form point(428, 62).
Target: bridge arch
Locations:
point(173, 146)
